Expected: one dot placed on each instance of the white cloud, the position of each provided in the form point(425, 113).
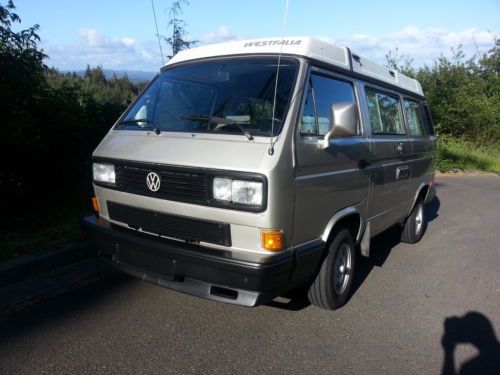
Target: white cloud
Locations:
point(91, 37)
point(128, 41)
point(126, 53)
point(91, 47)
point(219, 35)
point(424, 45)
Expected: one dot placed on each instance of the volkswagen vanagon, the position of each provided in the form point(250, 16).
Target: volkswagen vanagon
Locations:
point(250, 168)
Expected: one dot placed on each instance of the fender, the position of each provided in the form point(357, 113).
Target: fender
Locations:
point(423, 185)
point(340, 215)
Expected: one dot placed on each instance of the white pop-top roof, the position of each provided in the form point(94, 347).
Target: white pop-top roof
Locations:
point(308, 47)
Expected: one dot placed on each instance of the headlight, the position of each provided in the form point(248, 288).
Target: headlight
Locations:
point(237, 191)
point(104, 173)
point(222, 189)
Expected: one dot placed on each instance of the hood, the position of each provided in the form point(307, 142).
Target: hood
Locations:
point(186, 149)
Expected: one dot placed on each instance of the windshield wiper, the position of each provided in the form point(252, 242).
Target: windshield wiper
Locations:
point(135, 121)
point(218, 120)
point(138, 120)
point(210, 119)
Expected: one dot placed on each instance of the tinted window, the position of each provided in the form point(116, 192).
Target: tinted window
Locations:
point(414, 117)
point(322, 93)
point(385, 114)
point(308, 124)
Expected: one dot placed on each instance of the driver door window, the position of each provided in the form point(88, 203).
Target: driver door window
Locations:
point(322, 93)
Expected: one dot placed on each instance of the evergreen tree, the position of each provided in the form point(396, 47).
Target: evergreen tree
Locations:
point(178, 41)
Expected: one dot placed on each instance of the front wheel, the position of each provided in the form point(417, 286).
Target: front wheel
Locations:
point(332, 285)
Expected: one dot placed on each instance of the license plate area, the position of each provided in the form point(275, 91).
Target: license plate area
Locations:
point(144, 261)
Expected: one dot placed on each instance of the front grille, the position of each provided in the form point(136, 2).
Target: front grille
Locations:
point(175, 184)
point(171, 225)
point(179, 184)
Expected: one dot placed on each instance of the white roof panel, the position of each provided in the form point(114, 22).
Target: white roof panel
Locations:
point(302, 46)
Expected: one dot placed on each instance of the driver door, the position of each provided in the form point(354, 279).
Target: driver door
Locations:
point(331, 178)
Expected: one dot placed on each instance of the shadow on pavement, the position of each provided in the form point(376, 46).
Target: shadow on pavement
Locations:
point(476, 329)
point(380, 248)
point(382, 244)
point(432, 209)
point(45, 313)
point(294, 300)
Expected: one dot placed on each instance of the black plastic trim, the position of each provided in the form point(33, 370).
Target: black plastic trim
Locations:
point(176, 226)
point(193, 269)
point(428, 118)
point(190, 260)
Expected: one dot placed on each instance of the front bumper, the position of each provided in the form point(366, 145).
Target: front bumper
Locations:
point(200, 271)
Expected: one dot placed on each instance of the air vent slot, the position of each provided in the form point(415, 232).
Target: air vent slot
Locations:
point(223, 292)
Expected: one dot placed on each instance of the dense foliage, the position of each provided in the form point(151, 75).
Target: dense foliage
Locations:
point(463, 94)
point(51, 121)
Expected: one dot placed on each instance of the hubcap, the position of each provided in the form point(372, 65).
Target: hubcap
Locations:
point(419, 220)
point(342, 268)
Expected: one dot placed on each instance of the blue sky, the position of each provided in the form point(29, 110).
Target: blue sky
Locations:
point(121, 34)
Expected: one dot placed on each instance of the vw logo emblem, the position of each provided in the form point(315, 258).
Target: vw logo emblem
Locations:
point(153, 181)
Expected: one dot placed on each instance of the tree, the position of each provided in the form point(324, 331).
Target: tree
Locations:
point(21, 62)
point(22, 85)
point(401, 63)
point(178, 41)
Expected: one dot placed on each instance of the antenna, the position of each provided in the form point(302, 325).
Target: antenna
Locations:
point(283, 31)
point(157, 33)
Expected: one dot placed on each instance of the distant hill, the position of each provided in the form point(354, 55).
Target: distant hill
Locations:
point(134, 76)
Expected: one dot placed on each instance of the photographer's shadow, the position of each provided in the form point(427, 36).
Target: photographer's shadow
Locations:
point(473, 328)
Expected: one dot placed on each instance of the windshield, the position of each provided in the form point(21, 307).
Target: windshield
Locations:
point(224, 96)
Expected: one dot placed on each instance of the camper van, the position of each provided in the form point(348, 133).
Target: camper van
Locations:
point(252, 168)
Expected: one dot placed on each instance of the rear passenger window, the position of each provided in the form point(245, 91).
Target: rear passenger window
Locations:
point(322, 93)
point(414, 117)
point(385, 114)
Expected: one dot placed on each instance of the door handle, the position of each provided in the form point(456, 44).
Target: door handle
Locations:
point(400, 148)
point(402, 172)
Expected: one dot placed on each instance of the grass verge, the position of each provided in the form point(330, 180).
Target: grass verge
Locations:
point(467, 156)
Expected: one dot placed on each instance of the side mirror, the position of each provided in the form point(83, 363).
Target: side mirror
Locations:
point(344, 122)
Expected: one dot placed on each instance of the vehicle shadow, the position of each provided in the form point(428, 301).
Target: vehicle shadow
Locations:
point(432, 209)
point(476, 329)
point(295, 300)
point(380, 248)
point(382, 244)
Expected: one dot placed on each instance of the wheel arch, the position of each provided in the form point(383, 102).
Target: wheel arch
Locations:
point(349, 217)
point(421, 193)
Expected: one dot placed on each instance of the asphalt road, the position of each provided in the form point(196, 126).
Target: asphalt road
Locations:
point(393, 324)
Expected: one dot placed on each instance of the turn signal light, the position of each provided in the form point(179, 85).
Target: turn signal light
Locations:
point(272, 240)
point(95, 204)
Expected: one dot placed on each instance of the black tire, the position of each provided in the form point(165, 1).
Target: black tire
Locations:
point(323, 292)
point(414, 226)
